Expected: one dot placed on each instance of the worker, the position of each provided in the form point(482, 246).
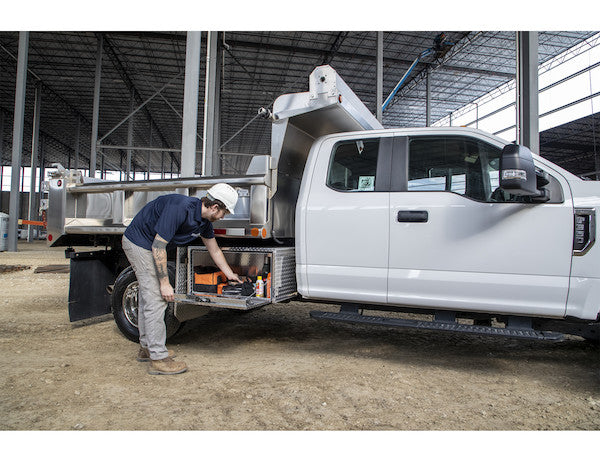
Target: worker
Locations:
point(172, 219)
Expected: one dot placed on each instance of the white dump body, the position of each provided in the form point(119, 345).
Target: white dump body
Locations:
point(82, 207)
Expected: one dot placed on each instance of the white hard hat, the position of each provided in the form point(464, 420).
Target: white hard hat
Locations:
point(224, 193)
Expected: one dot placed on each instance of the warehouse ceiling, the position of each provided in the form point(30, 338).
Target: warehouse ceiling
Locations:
point(256, 67)
point(575, 146)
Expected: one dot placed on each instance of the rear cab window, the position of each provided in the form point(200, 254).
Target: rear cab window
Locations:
point(353, 166)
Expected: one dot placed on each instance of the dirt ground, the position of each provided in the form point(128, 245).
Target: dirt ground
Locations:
point(276, 369)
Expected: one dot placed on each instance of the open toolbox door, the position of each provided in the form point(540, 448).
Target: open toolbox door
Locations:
point(198, 282)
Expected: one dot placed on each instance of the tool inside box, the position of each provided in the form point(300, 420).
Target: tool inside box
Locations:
point(208, 279)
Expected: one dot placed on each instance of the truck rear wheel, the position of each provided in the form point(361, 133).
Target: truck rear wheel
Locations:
point(124, 305)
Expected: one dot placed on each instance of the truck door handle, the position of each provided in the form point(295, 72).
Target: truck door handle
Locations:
point(413, 216)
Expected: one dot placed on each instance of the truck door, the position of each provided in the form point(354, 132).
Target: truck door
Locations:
point(344, 222)
point(457, 242)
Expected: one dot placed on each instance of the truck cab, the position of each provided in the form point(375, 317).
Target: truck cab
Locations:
point(419, 218)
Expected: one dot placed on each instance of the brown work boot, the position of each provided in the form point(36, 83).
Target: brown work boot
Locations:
point(144, 355)
point(166, 366)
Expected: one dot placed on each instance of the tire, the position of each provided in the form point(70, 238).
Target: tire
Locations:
point(124, 305)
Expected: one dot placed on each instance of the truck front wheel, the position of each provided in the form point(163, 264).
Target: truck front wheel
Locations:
point(124, 305)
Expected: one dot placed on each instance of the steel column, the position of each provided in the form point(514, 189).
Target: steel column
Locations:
point(1, 138)
point(210, 105)
point(379, 102)
point(428, 98)
point(217, 167)
point(96, 110)
point(17, 146)
point(528, 133)
point(148, 155)
point(130, 140)
point(76, 149)
point(42, 161)
point(35, 137)
point(190, 104)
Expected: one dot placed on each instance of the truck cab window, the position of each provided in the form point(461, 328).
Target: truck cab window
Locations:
point(463, 166)
point(454, 164)
point(353, 165)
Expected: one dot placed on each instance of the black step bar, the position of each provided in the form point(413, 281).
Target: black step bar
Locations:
point(441, 324)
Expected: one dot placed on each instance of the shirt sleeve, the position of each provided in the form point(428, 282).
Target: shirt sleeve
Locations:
point(171, 217)
point(208, 232)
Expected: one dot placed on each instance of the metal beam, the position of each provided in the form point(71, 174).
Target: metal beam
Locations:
point(42, 161)
point(287, 49)
point(358, 57)
point(17, 140)
point(379, 98)
point(148, 155)
point(112, 55)
point(139, 148)
point(48, 89)
point(428, 98)
point(130, 141)
point(96, 109)
point(527, 91)
point(54, 96)
point(76, 149)
point(209, 146)
point(410, 84)
point(141, 106)
point(35, 139)
point(337, 43)
point(190, 104)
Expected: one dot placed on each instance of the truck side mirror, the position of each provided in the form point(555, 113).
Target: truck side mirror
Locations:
point(517, 171)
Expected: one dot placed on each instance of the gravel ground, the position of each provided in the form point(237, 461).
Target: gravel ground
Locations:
point(276, 369)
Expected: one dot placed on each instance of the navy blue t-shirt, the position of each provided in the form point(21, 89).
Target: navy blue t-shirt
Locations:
point(174, 217)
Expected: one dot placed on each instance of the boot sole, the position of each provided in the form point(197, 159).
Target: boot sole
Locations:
point(154, 372)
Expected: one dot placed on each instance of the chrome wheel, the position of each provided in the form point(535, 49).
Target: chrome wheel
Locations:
point(130, 303)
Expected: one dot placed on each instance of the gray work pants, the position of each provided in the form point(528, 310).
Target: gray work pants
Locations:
point(151, 305)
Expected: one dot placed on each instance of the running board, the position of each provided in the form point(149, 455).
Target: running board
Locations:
point(515, 332)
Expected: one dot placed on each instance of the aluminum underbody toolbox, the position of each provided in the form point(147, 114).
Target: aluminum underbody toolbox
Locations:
point(246, 261)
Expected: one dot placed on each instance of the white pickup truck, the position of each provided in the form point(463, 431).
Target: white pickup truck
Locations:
point(480, 234)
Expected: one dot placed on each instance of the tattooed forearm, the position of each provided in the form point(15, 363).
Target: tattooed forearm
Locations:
point(159, 252)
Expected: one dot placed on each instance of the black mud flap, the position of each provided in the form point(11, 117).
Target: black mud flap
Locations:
point(91, 274)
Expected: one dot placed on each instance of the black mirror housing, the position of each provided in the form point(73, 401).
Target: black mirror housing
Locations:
point(517, 171)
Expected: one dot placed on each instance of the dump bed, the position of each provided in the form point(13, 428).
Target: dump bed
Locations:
point(86, 210)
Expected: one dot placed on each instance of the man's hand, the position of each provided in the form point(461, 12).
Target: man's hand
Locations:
point(167, 292)
point(234, 277)
point(219, 259)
